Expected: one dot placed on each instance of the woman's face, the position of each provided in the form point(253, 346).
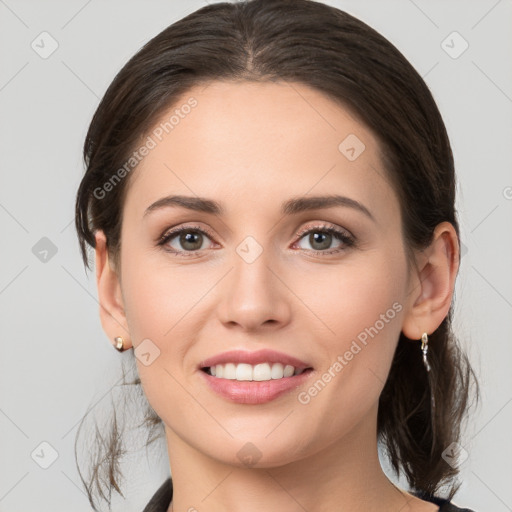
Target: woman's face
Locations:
point(265, 274)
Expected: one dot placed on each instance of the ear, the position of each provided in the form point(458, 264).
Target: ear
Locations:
point(112, 314)
point(431, 288)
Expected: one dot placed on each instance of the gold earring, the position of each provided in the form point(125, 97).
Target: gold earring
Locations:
point(424, 349)
point(119, 343)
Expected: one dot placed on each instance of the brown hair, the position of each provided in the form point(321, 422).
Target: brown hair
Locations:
point(306, 42)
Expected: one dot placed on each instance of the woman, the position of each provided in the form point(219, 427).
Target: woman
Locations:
point(270, 195)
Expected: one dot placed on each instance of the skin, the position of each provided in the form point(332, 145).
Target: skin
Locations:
point(252, 146)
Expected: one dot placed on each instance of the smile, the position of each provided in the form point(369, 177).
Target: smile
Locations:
point(252, 391)
point(247, 372)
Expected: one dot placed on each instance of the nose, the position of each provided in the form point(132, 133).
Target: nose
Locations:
point(254, 296)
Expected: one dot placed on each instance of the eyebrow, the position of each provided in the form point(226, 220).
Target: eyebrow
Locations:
point(290, 207)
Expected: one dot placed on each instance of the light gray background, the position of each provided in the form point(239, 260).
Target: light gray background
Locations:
point(55, 360)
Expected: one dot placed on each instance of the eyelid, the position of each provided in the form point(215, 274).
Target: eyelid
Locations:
point(323, 226)
point(177, 229)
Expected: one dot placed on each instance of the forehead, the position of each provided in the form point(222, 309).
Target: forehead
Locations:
point(257, 144)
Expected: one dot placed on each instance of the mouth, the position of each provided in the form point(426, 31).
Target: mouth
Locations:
point(254, 392)
point(258, 377)
point(261, 372)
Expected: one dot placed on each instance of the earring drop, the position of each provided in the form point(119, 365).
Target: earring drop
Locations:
point(119, 343)
point(424, 349)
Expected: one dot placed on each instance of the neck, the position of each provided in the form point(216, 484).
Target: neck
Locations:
point(345, 476)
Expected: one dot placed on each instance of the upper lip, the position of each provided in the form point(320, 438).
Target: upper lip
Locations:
point(253, 358)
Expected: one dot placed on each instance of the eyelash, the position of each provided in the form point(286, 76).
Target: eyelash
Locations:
point(348, 240)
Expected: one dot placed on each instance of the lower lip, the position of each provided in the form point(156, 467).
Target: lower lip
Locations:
point(254, 392)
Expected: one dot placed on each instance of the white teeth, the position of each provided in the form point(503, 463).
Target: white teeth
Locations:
point(288, 371)
point(243, 372)
point(277, 371)
point(229, 371)
point(259, 372)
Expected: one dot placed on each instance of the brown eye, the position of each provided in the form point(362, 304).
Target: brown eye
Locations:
point(190, 240)
point(184, 240)
point(321, 238)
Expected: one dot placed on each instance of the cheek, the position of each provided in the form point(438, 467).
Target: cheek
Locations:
point(359, 308)
point(159, 306)
point(159, 295)
point(347, 298)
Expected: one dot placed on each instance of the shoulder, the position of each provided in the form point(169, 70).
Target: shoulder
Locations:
point(448, 506)
point(161, 500)
point(444, 504)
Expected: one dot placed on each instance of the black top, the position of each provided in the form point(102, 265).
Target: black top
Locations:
point(162, 499)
